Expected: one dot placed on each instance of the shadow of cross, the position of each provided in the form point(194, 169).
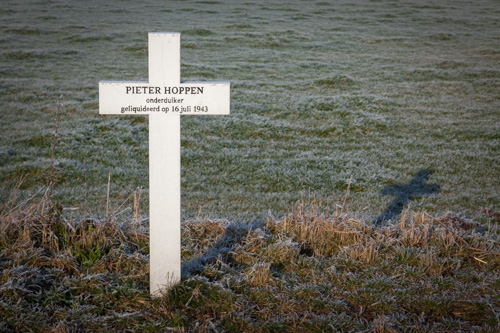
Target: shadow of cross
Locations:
point(404, 193)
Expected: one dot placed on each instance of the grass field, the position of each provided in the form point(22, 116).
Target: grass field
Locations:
point(371, 108)
point(321, 92)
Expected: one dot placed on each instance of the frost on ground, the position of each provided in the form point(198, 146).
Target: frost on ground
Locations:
point(326, 97)
point(321, 91)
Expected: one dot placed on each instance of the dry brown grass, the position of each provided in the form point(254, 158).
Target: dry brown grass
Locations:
point(307, 271)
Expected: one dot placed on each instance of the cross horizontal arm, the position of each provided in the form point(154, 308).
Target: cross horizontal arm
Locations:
point(140, 98)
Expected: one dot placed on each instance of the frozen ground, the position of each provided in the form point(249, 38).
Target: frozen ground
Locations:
point(322, 91)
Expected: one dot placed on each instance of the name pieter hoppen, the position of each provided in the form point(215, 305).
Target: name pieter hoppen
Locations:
point(167, 90)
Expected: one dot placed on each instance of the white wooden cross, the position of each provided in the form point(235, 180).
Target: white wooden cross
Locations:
point(164, 98)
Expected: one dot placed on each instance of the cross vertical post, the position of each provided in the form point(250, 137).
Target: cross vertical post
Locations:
point(164, 98)
point(164, 169)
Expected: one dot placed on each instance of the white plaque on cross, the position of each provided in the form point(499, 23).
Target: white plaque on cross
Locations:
point(164, 98)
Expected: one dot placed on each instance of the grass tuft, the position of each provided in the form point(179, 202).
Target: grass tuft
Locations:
point(307, 271)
